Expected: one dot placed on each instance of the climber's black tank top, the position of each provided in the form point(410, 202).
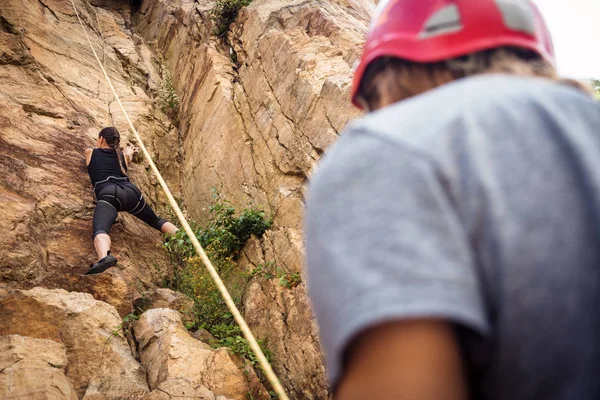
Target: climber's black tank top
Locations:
point(104, 164)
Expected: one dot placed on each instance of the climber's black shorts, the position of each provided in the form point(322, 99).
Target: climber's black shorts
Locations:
point(112, 197)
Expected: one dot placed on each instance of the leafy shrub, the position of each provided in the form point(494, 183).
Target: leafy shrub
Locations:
point(223, 237)
point(169, 101)
point(224, 13)
point(286, 279)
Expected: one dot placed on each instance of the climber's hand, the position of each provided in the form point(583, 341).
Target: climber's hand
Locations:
point(131, 150)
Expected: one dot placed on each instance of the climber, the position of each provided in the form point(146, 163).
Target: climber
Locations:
point(107, 167)
point(452, 235)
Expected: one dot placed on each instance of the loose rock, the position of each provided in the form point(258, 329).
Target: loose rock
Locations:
point(168, 352)
point(33, 369)
point(100, 360)
point(166, 298)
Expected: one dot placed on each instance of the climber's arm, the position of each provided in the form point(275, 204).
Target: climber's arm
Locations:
point(414, 359)
point(88, 155)
point(390, 273)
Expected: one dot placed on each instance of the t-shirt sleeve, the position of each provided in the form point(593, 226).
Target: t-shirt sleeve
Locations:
point(384, 242)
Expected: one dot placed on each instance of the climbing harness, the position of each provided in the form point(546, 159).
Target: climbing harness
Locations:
point(264, 363)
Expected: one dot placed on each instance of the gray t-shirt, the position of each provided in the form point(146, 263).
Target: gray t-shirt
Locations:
point(477, 203)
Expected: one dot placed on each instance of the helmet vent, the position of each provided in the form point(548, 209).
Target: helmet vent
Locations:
point(518, 15)
point(445, 20)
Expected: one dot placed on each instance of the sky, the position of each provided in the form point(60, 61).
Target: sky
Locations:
point(575, 28)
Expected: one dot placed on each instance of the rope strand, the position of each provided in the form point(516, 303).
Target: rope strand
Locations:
point(262, 359)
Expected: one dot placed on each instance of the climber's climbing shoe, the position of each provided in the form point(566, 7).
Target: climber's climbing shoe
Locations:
point(102, 265)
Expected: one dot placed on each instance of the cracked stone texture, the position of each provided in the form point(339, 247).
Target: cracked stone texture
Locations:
point(256, 117)
point(166, 298)
point(175, 360)
point(53, 101)
point(109, 287)
point(100, 363)
point(181, 389)
point(33, 369)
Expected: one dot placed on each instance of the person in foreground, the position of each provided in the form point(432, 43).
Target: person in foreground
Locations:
point(107, 167)
point(453, 232)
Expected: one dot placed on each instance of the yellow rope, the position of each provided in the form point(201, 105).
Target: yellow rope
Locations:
point(277, 387)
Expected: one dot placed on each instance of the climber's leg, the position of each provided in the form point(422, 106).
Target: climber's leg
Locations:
point(105, 214)
point(144, 212)
point(102, 245)
point(169, 228)
point(147, 214)
point(103, 264)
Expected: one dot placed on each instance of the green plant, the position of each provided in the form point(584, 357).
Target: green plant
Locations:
point(287, 279)
point(169, 103)
point(239, 345)
point(223, 237)
point(224, 13)
point(263, 270)
point(123, 327)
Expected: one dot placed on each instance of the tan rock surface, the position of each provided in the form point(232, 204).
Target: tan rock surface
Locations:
point(166, 298)
point(109, 287)
point(256, 117)
point(180, 388)
point(283, 316)
point(53, 104)
point(168, 352)
point(33, 369)
point(100, 360)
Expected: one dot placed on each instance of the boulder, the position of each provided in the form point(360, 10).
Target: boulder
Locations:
point(205, 336)
point(109, 287)
point(33, 369)
point(166, 298)
point(180, 388)
point(168, 352)
point(100, 360)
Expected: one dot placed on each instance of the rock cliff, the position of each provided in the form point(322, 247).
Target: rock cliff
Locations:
point(256, 112)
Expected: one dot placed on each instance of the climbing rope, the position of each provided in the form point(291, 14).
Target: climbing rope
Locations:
point(277, 387)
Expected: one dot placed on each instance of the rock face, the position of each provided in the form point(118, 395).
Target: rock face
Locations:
point(257, 113)
point(33, 369)
point(166, 298)
point(181, 388)
point(109, 287)
point(174, 359)
point(100, 360)
point(53, 103)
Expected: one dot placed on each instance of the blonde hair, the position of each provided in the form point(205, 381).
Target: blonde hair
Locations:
point(388, 79)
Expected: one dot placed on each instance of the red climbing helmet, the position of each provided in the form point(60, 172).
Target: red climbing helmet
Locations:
point(429, 31)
